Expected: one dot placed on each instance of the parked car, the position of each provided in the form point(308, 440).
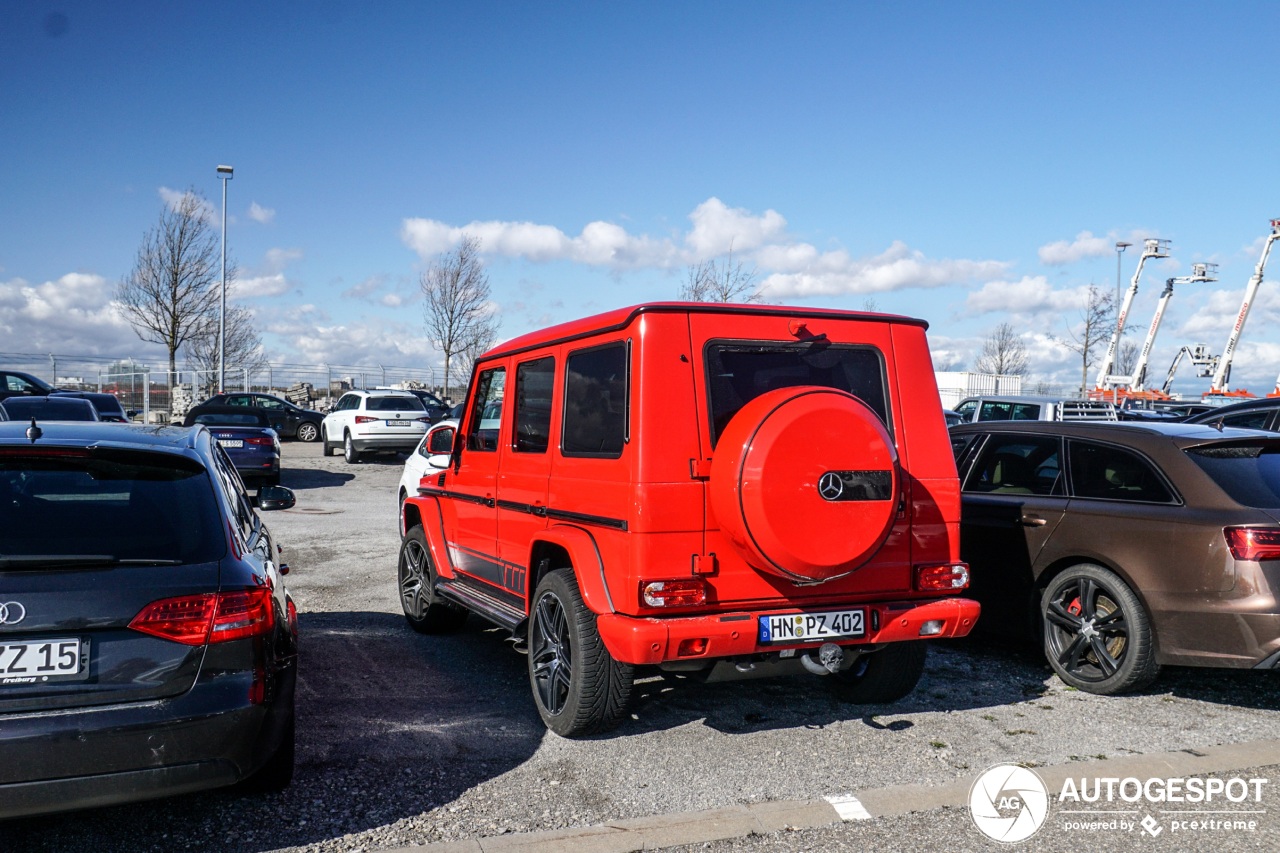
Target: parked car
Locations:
point(727, 491)
point(430, 457)
point(148, 645)
point(247, 437)
point(1127, 546)
point(54, 407)
point(952, 418)
point(14, 383)
point(1028, 408)
point(1262, 413)
point(108, 406)
point(437, 409)
point(374, 422)
point(288, 420)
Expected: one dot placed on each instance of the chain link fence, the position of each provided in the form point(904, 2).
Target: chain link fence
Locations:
point(156, 396)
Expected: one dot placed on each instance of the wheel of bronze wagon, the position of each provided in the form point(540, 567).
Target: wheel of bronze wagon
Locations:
point(577, 685)
point(1097, 635)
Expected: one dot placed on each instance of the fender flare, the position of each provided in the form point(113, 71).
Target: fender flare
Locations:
point(588, 564)
point(432, 521)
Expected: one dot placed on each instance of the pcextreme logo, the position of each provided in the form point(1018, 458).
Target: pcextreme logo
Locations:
point(1009, 803)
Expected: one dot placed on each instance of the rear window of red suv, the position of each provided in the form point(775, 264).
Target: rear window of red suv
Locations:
point(738, 372)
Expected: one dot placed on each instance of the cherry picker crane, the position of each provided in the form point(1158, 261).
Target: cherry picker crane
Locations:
point(1153, 248)
point(1222, 378)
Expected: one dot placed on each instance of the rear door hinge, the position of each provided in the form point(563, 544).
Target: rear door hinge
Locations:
point(700, 469)
point(704, 564)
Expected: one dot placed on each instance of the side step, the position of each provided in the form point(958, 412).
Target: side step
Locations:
point(482, 604)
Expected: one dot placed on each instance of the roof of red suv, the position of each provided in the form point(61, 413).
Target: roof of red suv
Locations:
point(621, 317)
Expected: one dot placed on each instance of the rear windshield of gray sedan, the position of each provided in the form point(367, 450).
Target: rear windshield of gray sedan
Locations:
point(1249, 474)
point(394, 404)
point(125, 506)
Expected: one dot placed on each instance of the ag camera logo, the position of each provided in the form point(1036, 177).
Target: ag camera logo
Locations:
point(1009, 803)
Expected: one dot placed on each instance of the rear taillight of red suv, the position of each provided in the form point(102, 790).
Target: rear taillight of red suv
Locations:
point(948, 577)
point(195, 620)
point(1253, 543)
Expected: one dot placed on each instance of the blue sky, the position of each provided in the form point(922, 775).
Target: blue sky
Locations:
point(969, 163)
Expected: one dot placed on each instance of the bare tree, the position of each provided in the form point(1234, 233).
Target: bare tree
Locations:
point(1127, 357)
point(243, 346)
point(1096, 318)
point(169, 296)
point(1003, 353)
point(458, 315)
point(485, 338)
point(713, 281)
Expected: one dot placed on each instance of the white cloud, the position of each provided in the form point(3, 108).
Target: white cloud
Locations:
point(264, 215)
point(718, 228)
point(1028, 295)
point(269, 278)
point(172, 198)
point(1084, 246)
point(836, 273)
point(788, 267)
point(76, 312)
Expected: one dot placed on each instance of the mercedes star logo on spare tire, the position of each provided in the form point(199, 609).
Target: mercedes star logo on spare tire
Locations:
point(831, 486)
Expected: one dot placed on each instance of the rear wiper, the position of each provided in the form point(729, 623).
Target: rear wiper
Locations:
point(35, 561)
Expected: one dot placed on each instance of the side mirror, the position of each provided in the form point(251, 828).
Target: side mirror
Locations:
point(439, 445)
point(275, 497)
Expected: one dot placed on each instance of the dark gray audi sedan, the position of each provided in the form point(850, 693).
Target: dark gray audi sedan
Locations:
point(147, 644)
point(1125, 546)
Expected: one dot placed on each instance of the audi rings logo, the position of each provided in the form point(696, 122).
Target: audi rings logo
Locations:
point(11, 613)
point(1009, 803)
point(831, 486)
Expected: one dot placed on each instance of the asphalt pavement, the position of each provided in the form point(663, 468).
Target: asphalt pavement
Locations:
point(411, 741)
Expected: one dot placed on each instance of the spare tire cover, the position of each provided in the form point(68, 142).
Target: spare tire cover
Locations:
point(805, 482)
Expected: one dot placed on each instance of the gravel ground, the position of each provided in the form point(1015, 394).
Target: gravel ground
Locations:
point(405, 739)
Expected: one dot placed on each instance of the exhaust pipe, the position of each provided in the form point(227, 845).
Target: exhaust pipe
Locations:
point(830, 656)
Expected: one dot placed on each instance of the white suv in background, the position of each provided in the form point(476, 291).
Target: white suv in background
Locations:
point(374, 421)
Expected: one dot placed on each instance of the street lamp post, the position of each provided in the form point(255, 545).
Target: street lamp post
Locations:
point(224, 174)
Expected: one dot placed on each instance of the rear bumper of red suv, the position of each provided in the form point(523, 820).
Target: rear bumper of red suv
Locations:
point(651, 640)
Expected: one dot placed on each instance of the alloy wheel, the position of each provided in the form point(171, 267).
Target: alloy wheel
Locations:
point(551, 653)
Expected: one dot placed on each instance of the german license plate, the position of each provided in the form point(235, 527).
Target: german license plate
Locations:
point(38, 661)
point(804, 627)
point(401, 423)
point(231, 442)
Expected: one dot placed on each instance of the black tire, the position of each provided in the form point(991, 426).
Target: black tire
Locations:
point(307, 431)
point(883, 676)
point(277, 773)
point(325, 447)
point(1097, 635)
point(425, 612)
point(349, 451)
point(577, 685)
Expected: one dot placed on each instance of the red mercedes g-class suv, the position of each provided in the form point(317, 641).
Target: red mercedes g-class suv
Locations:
point(723, 489)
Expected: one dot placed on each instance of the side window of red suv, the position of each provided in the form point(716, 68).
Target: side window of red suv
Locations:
point(533, 405)
point(595, 402)
point(486, 410)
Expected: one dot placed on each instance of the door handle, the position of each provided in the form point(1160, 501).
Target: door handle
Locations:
point(1032, 521)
